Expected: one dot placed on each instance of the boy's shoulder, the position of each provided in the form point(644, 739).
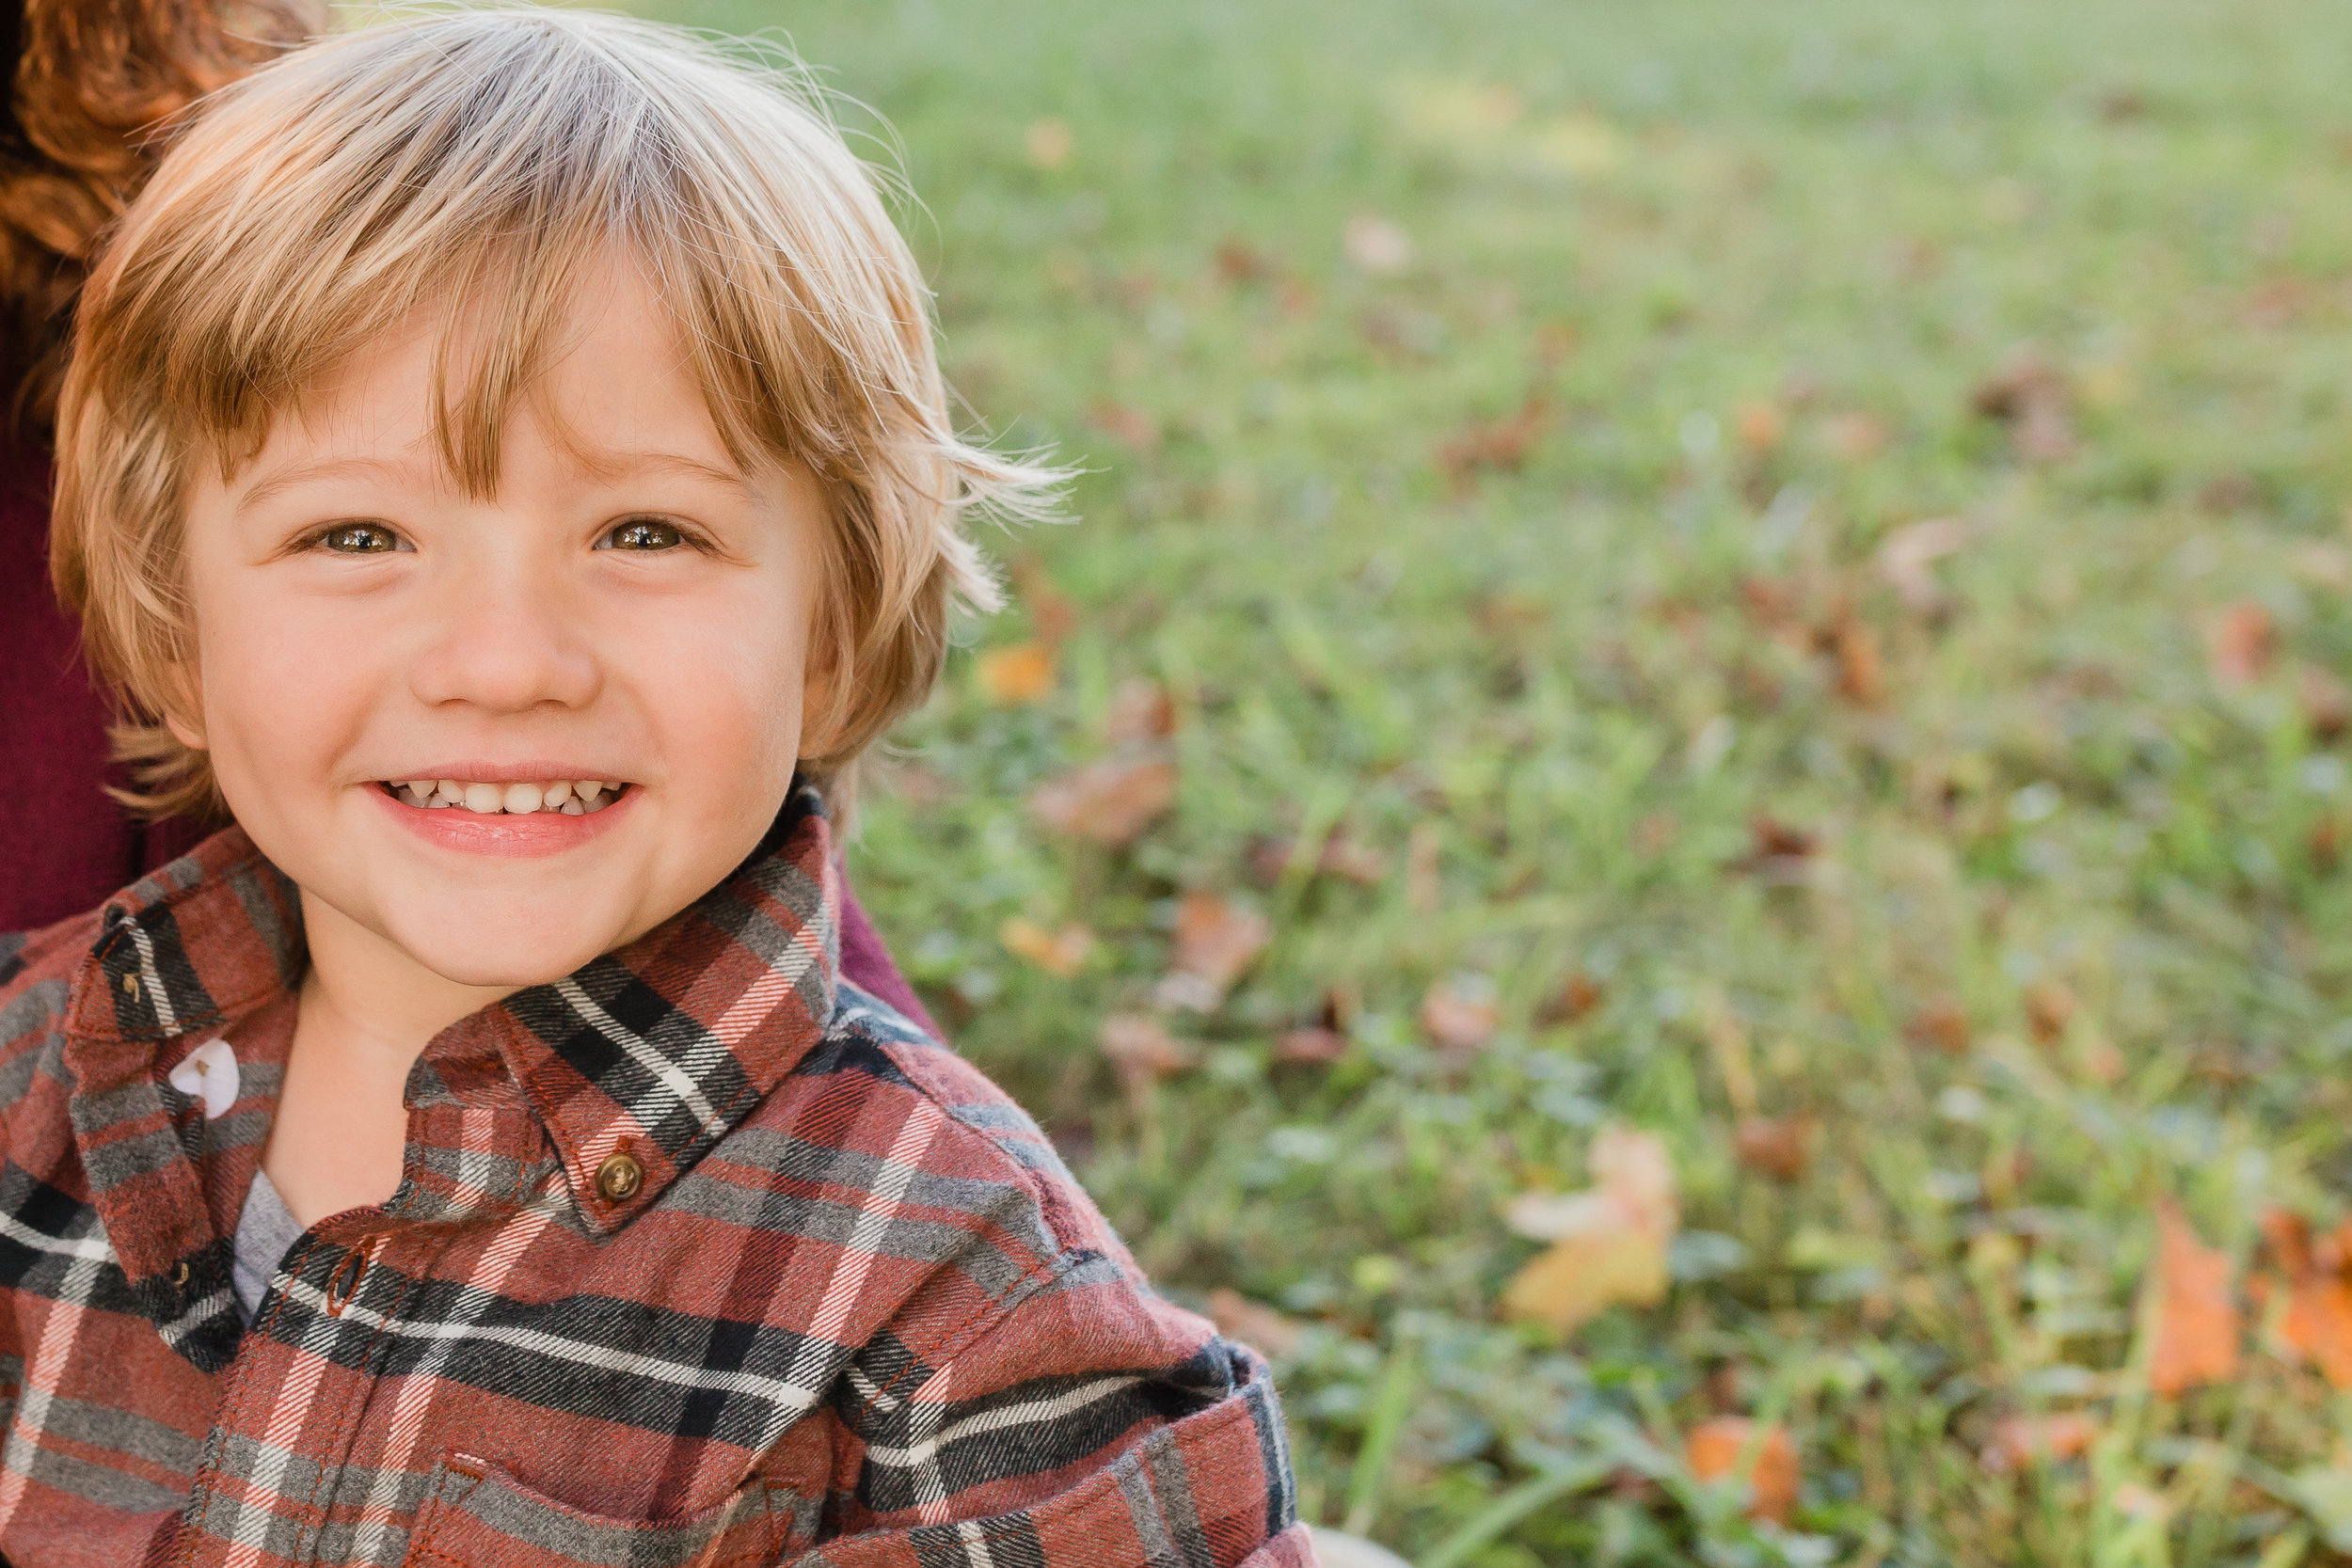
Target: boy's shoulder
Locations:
point(879, 1086)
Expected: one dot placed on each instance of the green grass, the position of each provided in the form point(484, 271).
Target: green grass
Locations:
point(1555, 700)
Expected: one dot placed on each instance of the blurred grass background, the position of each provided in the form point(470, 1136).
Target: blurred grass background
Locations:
point(1802, 553)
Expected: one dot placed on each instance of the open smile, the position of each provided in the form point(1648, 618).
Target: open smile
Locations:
point(520, 818)
point(568, 797)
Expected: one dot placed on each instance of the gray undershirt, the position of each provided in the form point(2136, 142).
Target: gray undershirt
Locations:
point(264, 1231)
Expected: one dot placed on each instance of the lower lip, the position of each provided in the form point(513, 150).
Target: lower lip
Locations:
point(523, 835)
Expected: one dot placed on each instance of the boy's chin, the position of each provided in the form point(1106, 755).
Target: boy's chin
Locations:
point(509, 955)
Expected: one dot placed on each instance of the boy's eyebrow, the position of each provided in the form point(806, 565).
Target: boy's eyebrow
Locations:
point(607, 467)
point(325, 467)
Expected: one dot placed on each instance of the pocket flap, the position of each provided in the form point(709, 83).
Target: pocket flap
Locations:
point(475, 1515)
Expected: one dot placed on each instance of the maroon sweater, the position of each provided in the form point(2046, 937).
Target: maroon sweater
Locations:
point(64, 845)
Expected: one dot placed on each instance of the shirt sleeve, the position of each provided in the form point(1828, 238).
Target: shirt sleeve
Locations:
point(1093, 1423)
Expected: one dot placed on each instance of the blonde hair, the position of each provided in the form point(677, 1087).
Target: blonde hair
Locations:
point(480, 162)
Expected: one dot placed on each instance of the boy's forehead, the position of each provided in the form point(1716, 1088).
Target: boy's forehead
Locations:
point(613, 391)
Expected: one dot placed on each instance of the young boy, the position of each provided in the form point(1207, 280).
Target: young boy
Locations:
point(504, 456)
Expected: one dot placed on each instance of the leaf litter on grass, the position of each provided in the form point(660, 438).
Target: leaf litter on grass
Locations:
point(1962, 722)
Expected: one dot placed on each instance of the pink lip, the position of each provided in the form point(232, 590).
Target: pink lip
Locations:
point(526, 836)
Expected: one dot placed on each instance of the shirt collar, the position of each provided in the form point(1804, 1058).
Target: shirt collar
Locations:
point(650, 1054)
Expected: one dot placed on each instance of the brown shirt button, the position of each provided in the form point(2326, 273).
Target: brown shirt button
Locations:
point(619, 1177)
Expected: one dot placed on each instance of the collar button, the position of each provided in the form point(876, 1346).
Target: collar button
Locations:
point(619, 1177)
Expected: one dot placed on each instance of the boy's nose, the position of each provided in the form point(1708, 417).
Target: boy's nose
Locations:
point(506, 645)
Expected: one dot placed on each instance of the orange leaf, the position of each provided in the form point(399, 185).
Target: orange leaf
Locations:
point(1141, 1048)
point(1253, 1323)
point(1940, 1024)
point(2240, 642)
point(1609, 1242)
point(1021, 673)
point(1714, 1449)
point(1109, 802)
point(1140, 710)
point(2196, 1317)
point(1063, 952)
point(1778, 1146)
point(1456, 1021)
point(1215, 941)
point(2018, 1440)
point(1310, 1046)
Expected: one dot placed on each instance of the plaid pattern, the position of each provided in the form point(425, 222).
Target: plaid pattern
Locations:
point(857, 1313)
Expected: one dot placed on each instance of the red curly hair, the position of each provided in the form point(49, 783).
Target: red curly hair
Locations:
point(92, 78)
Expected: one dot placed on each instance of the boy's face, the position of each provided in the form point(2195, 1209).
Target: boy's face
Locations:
point(628, 609)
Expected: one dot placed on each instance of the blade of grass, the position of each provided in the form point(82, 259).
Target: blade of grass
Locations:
point(1508, 1509)
point(1392, 1404)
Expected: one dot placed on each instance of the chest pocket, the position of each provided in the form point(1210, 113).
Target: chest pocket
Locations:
point(477, 1517)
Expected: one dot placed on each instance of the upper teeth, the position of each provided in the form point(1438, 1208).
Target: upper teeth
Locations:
point(572, 796)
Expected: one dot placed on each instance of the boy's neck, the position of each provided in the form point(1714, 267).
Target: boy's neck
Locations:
point(366, 995)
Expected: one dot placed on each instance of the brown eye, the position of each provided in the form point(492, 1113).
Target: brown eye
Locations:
point(361, 539)
point(643, 533)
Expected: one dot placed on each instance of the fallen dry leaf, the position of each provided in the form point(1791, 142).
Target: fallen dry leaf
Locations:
point(1778, 1146)
point(1861, 668)
point(1499, 446)
point(1608, 1243)
point(1942, 1024)
point(1063, 952)
point(1021, 673)
point(1579, 994)
point(2316, 1323)
point(2050, 1007)
point(2036, 402)
point(1238, 262)
point(2196, 1317)
point(1907, 559)
point(1310, 1047)
point(1714, 1449)
point(1856, 437)
point(1376, 245)
point(1252, 1323)
point(1133, 426)
point(1215, 941)
point(1109, 802)
point(2019, 1440)
point(1049, 143)
point(1140, 710)
point(1456, 1017)
point(2240, 642)
point(1052, 616)
point(2327, 704)
point(1760, 426)
point(1142, 1049)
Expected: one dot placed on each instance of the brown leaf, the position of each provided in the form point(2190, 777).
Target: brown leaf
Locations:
point(1771, 839)
point(1063, 952)
point(1253, 1323)
point(1778, 1146)
point(1907, 559)
point(1239, 261)
point(2240, 642)
point(1310, 1047)
point(1856, 437)
point(1133, 426)
point(1499, 445)
point(1942, 1024)
point(1579, 994)
point(2050, 1006)
point(1021, 673)
point(1140, 710)
point(1455, 1018)
point(1052, 616)
point(1713, 1449)
point(2196, 1317)
point(1109, 802)
point(1861, 668)
point(2036, 402)
point(1609, 1242)
point(2020, 1440)
point(1142, 1049)
point(1215, 941)
point(2327, 704)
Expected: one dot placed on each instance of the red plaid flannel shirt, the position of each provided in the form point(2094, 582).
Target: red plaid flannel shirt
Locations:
point(855, 1313)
